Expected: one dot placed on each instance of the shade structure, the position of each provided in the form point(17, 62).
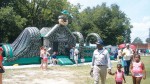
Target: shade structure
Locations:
point(124, 45)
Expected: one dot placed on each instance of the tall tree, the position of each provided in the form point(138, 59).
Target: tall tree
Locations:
point(11, 24)
point(38, 13)
point(109, 22)
point(148, 40)
point(137, 40)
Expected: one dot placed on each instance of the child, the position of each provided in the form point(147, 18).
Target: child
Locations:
point(119, 75)
point(137, 69)
point(54, 58)
point(41, 53)
point(76, 52)
point(45, 59)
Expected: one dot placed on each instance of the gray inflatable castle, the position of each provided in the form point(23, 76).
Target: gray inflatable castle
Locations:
point(25, 49)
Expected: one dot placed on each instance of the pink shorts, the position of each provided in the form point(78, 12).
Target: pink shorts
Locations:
point(45, 59)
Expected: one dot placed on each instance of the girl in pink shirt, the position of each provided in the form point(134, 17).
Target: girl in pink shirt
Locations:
point(119, 75)
point(137, 69)
point(45, 59)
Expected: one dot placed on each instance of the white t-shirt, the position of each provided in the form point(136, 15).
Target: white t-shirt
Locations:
point(76, 52)
point(41, 53)
point(45, 55)
point(128, 53)
point(120, 52)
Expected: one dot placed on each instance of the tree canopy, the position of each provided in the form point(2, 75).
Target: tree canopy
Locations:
point(148, 40)
point(109, 22)
point(137, 40)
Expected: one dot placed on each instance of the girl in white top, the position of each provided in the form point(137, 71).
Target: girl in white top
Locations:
point(76, 52)
point(45, 59)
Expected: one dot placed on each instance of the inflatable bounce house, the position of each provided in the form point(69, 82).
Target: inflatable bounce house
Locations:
point(26, 48)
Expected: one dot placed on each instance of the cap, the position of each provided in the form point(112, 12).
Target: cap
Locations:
point(127, 44)
point(1, 49)
point(99, 42)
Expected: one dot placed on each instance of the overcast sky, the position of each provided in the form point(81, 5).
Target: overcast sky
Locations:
point(137, 10)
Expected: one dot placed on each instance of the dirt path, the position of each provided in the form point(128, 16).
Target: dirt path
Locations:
point(37, 76)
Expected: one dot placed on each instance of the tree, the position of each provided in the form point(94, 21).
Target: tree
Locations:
point(40, 13)
point(109, 22)
point(11, 24)
point(24, 13)
point(4, 3)
point(148, 40)
point(137, 40)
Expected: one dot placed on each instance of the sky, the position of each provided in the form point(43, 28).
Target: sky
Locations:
point(137, 10)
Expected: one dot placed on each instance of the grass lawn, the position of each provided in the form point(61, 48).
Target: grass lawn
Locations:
point(63, 75)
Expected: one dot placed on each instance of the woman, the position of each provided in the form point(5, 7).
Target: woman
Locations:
point(1, 59)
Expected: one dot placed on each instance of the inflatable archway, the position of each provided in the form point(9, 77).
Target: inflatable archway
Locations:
point(81, 42)
point(92, 35)
point(80, 36)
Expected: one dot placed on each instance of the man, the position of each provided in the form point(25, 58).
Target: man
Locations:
point(127, 54)
point(100, 62)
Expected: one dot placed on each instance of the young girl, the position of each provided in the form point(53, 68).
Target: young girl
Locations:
point(41, 53)
point(137, 69)
point(119, 75)
point(45, 59)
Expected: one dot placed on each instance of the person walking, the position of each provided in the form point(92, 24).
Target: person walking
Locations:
point(1, 65)
point(119, 75)
point(137, 69)
point(100, 62)
point(127, 54)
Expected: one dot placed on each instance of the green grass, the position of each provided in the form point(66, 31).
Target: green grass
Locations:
point(77, 75)
point(84, 72)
